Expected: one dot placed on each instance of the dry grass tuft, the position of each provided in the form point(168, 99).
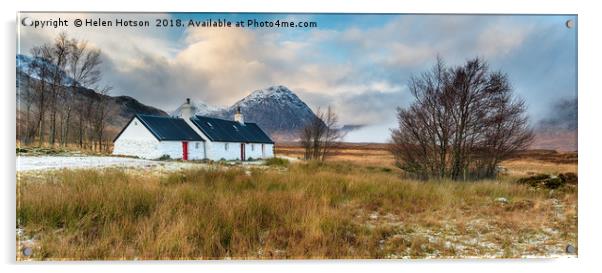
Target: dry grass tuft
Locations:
point(312, 210)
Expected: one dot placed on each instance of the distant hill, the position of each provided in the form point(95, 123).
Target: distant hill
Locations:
point(121, 108)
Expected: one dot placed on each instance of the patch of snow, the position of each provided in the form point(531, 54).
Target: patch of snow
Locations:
point(374, 216)
point(36, 163)
point(502, 200)
point(289, 158)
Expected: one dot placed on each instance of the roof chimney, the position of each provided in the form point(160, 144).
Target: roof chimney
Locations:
point(238, 116)
point(186, 110)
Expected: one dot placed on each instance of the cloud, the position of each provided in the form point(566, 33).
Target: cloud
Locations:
point(499, 40)
point(562, 115)
point(359, 64)
point(116, 42)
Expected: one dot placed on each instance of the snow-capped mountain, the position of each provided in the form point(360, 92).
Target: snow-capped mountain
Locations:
point(276, 109)
point(199, 108)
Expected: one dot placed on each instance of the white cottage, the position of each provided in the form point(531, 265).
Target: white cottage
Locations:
point(192, 137)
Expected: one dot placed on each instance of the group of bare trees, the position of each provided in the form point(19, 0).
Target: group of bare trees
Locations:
point(50, 112)
point(463, 122)
point(321, 135)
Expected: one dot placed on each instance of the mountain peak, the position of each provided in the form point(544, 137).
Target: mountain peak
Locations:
point(276, 94)
point(272, 91)
point(278, 89)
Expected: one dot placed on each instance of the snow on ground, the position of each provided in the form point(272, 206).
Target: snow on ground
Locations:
point(37, 163)
point(289, 158)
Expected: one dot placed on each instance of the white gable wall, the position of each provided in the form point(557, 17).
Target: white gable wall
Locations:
point(196, 129)
point(136, 140)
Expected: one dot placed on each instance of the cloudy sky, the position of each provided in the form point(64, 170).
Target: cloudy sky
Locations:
point(360, 64)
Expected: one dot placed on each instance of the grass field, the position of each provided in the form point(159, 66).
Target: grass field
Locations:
point(354, 206)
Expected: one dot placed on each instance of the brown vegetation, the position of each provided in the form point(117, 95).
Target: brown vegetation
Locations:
point(304, 210)
point(463, 122)
point(547, 156)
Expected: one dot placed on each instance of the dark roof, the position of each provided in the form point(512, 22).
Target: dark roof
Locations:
point(230, 131)
point(166, 128)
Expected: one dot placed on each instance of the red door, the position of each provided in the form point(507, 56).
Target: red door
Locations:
point(242, 151)
point(184, 150)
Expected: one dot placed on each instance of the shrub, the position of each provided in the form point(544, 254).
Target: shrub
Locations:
point(164, 157)
point(554, 182)
point(569, 178)
point(546, 181)
point(276, 161)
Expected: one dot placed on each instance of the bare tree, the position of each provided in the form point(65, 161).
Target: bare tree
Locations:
point(463, 122)
point(42, 70)
point(56, 55)
point(309, 134)
point(26, 97)
point(83, 68)
point(100, 115)
point(332, 134)
point(47, 92)
point(321, 134)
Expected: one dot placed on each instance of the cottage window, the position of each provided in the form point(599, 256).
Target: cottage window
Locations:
point(135, 123)
point(226, 146)
point(252, 147)
point(196, 145)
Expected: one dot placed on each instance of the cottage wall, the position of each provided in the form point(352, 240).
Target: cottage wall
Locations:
point(196, 150)
point(173, 149)
point(268, 150)
point(254, 150)
point(136, 140)
point(218, 151)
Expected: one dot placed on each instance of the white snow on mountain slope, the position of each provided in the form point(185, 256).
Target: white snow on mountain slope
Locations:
point(200, 108)
point(278, 94)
